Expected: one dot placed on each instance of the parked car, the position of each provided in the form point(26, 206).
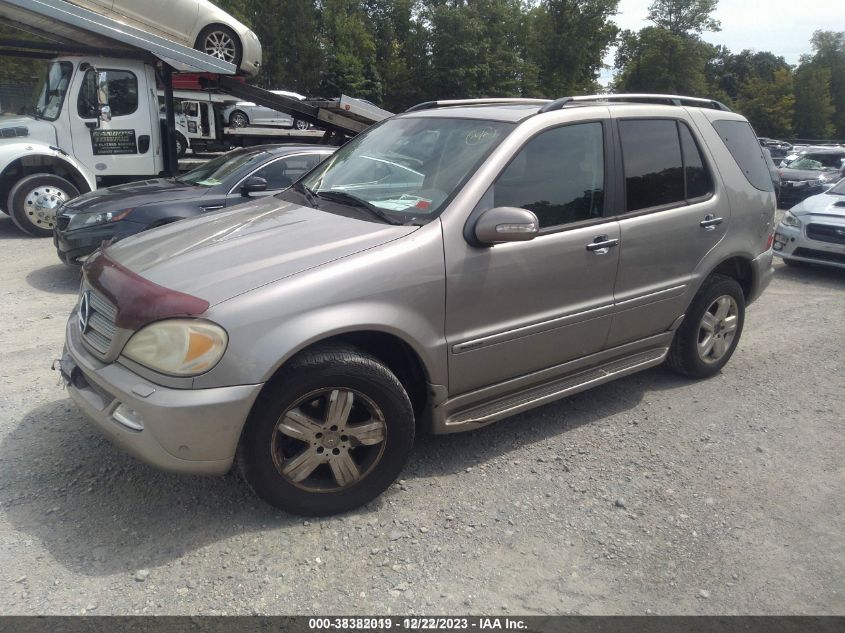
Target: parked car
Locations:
point(773, 171)
point(117, 212)
point(811, 173)
point(778, 149)
point(244, 113)
point(813, 231)
point(196, 23)
point(437, 273)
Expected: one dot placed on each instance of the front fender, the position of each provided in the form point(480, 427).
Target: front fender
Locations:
point(36, 153)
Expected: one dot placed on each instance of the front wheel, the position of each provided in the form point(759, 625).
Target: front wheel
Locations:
point(34, 201)
point(331, 434)
point(711, 329)
point(238, 119)
point(299, 124)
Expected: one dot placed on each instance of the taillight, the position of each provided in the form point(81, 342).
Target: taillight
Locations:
point(770, 241)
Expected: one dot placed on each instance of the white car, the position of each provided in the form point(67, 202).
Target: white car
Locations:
point(246, 113)
point(813, 231)
point(196, 23)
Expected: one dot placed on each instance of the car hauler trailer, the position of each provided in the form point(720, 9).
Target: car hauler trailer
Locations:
point(95, 118)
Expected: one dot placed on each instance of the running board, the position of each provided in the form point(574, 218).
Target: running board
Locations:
point(547, 392)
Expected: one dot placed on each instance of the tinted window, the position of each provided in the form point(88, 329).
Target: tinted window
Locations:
point(282, 173)
point(697, 178)
point(559, 175)
point(739, 138)
point(122, 94)
point(654, 171)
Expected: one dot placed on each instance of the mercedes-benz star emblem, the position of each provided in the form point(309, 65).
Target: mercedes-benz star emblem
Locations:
point(84, 312)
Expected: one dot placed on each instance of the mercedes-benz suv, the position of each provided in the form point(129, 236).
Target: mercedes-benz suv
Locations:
point(452, 266)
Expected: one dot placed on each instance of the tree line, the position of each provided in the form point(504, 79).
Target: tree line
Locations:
point(400, 52)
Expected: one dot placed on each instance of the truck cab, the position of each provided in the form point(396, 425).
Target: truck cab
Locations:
point(92, 121)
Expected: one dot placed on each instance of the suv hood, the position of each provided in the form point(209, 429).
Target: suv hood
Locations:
point(131, 195)
point(224, 254)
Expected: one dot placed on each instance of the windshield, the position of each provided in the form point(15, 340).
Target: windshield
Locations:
point(409, 167)
point(216, 171)
point(817, 162)
point(50, 91)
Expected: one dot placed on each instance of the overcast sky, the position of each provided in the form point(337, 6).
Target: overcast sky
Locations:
point(783, 27)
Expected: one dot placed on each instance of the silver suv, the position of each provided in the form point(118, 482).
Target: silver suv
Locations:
point(453, 266)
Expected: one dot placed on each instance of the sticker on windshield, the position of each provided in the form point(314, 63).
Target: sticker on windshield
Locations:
point(406, 203)
point(480, 135)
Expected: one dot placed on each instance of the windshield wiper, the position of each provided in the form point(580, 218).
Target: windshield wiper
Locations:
point(354, 201)
point(308, 193)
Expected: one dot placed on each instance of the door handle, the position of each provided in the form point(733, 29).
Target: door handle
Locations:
point(601, 244)
point(710, 222)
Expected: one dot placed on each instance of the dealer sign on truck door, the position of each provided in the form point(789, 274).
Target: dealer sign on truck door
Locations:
point(111, 142)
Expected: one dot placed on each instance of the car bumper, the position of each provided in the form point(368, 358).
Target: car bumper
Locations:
point(251, 58)
point(761, 275)
point(192, 431)
point(78, 243)
point(792, 243)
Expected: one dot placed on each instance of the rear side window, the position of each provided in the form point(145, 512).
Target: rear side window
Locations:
point(663, 164)
point(743, 145)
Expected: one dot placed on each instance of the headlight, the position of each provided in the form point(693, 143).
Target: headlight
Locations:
point(180, 347)
point(93, 219)
point(791, 220)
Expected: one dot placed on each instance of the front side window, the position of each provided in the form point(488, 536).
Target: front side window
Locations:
point(559, 175)
point(407, 168)
point(282, 173)
point(51, 90)
point(122, 94)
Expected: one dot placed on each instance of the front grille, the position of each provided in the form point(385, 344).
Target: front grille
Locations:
point(825, 256)
point(99, 333)
point(826, 233)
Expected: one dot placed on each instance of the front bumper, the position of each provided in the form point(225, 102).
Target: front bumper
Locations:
point(182, 430)
point(792, 243)
point(82, 242)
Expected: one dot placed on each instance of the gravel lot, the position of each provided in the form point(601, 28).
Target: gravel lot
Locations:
point(653, 494)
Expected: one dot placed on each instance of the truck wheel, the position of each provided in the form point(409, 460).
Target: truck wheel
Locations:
point(221, 42)
point(181, 145)
point(332, 433)
point(711, 329)
point(238, 119)
point(34, 200)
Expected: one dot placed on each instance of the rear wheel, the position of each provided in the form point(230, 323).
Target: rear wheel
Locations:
point(221, 42)
point(299, 124)
point(711, 329)
point(238, 119)
point(333, 434)
point(34, 201)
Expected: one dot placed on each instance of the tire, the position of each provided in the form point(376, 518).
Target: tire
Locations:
point(238, 119)
point(221, 42)
point(689, 354)
point(376, 433)
point(33, 202)
point(299, 124)
point(181, 145)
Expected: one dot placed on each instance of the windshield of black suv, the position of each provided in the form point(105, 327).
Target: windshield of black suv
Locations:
point(406, 169)
point(50, 91)
point(818, 162)
point(216, 171)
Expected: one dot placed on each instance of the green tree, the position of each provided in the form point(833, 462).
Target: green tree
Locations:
point(769, 104)
point(814, 108)
point(829, 53)
point(683, 17)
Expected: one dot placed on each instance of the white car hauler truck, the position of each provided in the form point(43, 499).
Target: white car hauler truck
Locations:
point(94, 120)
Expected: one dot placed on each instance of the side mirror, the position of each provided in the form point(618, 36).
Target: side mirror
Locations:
point(506, 224)
point(253, 185)
point(103, 108)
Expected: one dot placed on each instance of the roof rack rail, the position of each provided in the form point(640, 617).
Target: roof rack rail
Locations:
point(445, 103)
point(657, 99)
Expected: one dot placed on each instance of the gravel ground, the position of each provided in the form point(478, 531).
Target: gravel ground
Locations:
point(653, 494)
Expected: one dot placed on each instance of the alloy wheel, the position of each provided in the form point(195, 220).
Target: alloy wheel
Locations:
point(221, 45)
point(717, 329)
